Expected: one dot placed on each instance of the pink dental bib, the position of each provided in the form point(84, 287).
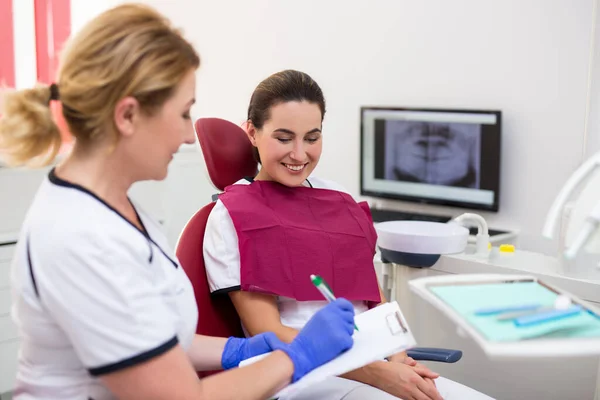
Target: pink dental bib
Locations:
point(285, 234)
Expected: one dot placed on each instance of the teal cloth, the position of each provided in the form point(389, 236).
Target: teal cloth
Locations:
point(466, 299)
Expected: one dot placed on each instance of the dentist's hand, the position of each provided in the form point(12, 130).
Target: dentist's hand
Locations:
point(325, 336)
point(239, 349)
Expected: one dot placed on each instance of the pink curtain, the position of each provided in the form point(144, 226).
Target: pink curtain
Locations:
point(52, 29)
point(7, 50)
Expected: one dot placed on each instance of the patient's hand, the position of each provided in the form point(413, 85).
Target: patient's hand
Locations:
point(408, 361)
point(408, 382)
point(422, 370)
point(402, 357)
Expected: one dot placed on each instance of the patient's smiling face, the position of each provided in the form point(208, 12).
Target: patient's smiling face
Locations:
point(289, 142)
point(285, 118)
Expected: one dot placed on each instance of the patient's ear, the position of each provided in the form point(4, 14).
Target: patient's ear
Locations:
point(250, 130)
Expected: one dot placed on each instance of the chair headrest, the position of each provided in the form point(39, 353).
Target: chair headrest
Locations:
point(227, 151)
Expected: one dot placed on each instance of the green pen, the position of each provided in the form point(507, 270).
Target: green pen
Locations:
point(325, 290)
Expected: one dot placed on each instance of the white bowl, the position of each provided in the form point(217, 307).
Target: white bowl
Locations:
point(422, 237)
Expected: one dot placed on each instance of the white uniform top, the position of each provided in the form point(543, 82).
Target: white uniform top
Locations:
point(92, 294)
point(222, 261)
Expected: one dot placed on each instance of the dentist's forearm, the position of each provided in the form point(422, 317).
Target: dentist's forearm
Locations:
point(257, 381)
point(205, 352)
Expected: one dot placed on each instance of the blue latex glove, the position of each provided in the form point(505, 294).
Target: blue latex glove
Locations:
point(325, 336)
point(238, 349)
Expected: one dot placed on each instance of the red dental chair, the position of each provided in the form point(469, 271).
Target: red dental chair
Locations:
point(228, 156)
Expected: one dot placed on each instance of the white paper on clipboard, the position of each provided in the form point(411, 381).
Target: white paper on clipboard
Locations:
point(545, 345)
point(382, 331)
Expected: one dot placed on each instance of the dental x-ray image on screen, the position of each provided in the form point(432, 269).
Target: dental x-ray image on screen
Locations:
point(437, 153)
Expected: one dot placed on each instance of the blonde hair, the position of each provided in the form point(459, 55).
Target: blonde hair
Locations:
point(130, 50)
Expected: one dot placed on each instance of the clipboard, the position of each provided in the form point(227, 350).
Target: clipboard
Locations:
point(383, 331)
point(459, 297)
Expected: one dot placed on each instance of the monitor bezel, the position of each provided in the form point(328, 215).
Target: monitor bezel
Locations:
point(494, 207)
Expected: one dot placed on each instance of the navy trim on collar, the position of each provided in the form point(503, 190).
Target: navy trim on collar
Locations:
point(61, 182)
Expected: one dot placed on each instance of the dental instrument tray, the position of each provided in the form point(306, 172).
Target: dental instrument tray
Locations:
point(514, 315)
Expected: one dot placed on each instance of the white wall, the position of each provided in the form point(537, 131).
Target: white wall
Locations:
point(84, 10)
point(24, 38)
point(593, 116)
point(528, 58)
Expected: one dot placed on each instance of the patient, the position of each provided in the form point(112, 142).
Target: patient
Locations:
point(267, 234)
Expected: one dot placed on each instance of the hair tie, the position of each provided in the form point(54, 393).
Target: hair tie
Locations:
point(54, 95)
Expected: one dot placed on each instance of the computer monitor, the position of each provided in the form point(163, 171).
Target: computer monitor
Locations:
point(437, 156)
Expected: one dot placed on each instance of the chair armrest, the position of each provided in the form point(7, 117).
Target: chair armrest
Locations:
point(435, 354)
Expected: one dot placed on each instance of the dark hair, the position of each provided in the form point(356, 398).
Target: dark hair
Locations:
point(282, 87)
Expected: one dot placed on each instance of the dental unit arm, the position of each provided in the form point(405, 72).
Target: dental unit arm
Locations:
point(585, 216)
